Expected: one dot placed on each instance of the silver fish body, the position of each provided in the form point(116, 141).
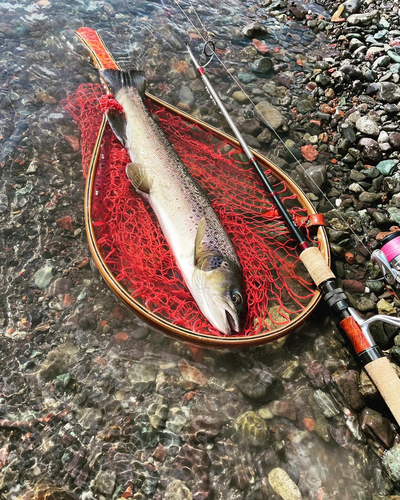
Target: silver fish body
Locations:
point(202, 249)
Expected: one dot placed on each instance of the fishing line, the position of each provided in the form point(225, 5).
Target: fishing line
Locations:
point(265, 121)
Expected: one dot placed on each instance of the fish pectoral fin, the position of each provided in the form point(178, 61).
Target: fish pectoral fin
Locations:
point(201, 231)
point(117, 123)
point(137, 174)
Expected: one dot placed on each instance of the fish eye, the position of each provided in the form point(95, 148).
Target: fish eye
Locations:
point(237, 299)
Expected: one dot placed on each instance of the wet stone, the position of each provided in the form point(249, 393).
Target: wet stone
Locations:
point(318, 375)
point(395, 354)
point(365, 304)
point(347, 382)
point(142, 377)
point(105, 482)
point(283, 409)
point(327, 405)
point(253, 29)
point(262, 65)
point(43, 276)
point(158, 413)
point(377, 427)
point(388, 92)
point(258, 384)
point(59, 286)
point(177, 490)
point(58, 361)
point(391, 462)
point(246, 77)
point(283, 485)
point(240, 97)
point(89, 418)
point(252, 429)
point(367, 126)
point(202, 430)
point(386, 167)
point(271, 114)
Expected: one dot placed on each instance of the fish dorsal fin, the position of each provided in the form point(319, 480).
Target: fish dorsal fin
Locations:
point(201, 232)
point(117, 123)
point(138, 177)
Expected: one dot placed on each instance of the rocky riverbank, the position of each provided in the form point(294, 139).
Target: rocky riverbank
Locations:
point(93, 403)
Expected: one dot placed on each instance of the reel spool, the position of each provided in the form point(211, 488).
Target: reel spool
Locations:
point(388, 259)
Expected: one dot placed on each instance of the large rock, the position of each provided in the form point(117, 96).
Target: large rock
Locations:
point(363, 19)
point(313, 176)
point(253, 29)
point(367, 126)
point(177, 490)
point(262, 65)
point(252, 429)
point(388, 92)
point(271, 114)
point(283, 485)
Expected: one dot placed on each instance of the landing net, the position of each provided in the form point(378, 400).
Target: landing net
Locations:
point(134, 248)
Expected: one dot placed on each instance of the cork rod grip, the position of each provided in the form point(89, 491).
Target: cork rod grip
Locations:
point(387, 382)
point(316, 265)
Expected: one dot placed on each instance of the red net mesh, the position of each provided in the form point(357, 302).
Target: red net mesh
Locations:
point(133, 246)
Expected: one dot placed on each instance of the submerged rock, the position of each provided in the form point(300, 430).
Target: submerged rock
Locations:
point(252, 429)
point(283, 485)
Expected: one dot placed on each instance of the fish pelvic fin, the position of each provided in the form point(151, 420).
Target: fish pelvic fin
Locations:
point(116, 79)
point(117, 123)
point(201, 231)
point(138, 177)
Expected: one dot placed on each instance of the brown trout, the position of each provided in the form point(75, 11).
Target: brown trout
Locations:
point(202, 249)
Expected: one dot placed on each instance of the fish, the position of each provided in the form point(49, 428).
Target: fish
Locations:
point(201, 247)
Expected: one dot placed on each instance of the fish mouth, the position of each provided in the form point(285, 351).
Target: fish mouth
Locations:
point(228, 321)
point(232, 322)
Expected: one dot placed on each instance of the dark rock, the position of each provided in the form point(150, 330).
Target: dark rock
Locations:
point(262, 65)
point(388, 92)
point(347, 382)
point(370, 150)
point(318, 375)
point(394, 139)
point(254, 29)
point(258, 384)
point(377, 427)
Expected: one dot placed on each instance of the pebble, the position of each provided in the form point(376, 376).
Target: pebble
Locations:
point(105, 482)
point(283, 485)
point(271, 114)
point(177, 490)
point(367, 126)
point(142, 377)
point(326, 403)
point(43, 276)
point(391, 462)
point(252, 429)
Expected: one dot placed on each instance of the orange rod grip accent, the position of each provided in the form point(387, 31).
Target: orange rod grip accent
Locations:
point(101, 57)
point(355, 334)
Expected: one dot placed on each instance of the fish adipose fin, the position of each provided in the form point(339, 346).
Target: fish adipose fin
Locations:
point(201, 232)
point(117, 123)
point(138, 177)
point(116, 80)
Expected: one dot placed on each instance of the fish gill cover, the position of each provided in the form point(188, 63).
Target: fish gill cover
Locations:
point(134, 248)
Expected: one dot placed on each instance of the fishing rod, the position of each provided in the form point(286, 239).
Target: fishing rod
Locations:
point(376, 364)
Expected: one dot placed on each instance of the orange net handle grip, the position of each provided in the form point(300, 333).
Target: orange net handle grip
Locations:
point(99, 53)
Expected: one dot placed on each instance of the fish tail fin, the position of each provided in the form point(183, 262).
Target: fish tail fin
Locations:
point(116, 79)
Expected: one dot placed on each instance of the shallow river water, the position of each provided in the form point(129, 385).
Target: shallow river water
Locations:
point(93, 403)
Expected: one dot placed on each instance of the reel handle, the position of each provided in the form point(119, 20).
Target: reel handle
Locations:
point(356, 328)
